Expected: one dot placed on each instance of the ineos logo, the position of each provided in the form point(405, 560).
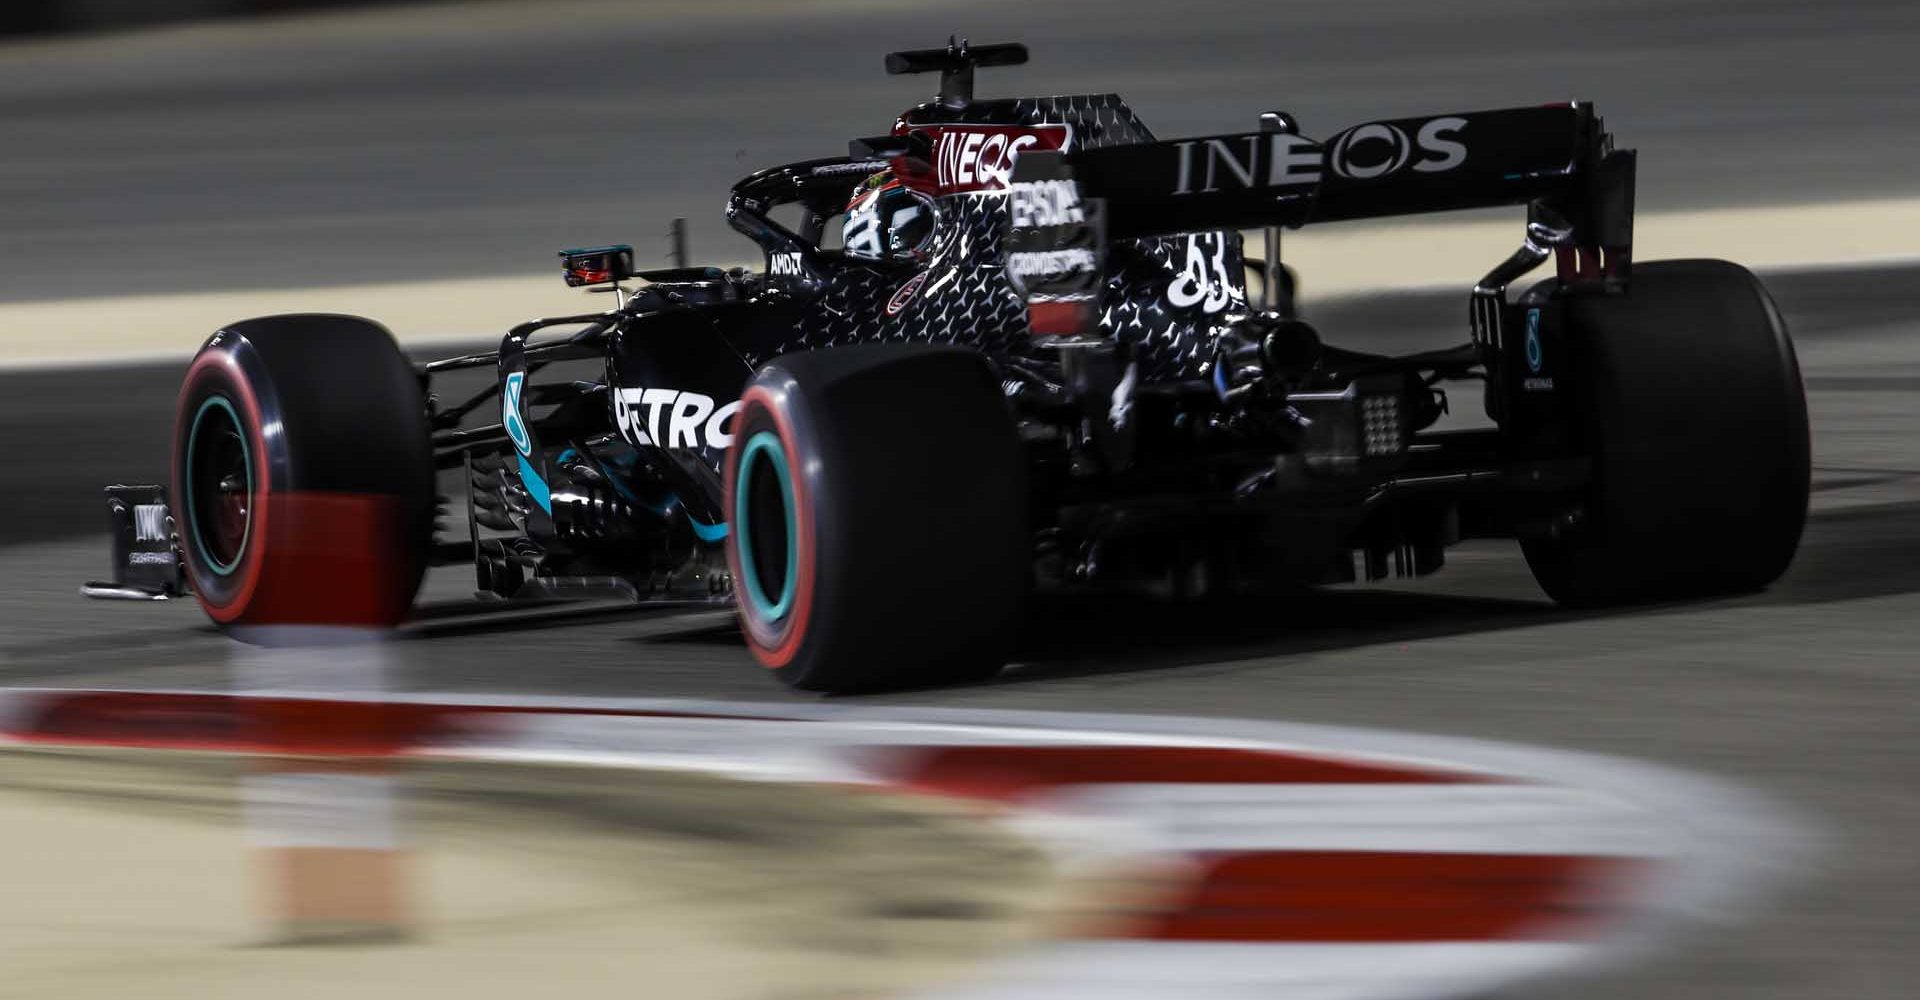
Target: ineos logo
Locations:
point(979, 158)
point(1365, 152)
point(1370, 151)
point(671, 418)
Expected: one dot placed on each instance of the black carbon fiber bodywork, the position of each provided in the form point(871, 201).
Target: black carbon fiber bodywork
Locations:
point(960, 294)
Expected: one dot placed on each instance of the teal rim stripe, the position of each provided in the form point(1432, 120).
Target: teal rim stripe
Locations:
point(193, 512)
point(765, 444)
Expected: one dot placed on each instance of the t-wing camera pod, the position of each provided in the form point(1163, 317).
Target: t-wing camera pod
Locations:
point(955, 65)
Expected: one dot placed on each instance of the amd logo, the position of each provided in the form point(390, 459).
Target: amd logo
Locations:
point(671, 418)
point(786, 263)
point(1045, 203)
point(979, 158)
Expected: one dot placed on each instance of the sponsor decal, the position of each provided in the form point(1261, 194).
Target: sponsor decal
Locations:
point(906, 293)
point(1283, 160)
point(150, 559)
point(852, 167)
point(786, 263)
point(510, 417)
point(672, 418)
point(1536, 357)
point(1203, 282)
point(1041, 263)
point(150, 522)
point(978, 159)
point(1045, 203)
point(1367, 152)
point(1274, 159)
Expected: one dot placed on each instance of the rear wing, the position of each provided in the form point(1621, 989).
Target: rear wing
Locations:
point(1557, 160)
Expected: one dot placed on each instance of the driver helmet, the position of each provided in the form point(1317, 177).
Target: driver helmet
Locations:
point(885, 218)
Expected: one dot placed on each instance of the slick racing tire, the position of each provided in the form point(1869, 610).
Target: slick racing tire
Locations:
point(1692, 409)
point(877, 510)
point(303, 479)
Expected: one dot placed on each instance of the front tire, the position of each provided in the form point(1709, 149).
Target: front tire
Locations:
point(877, 511)
point(1691, 406)
point(303, 474)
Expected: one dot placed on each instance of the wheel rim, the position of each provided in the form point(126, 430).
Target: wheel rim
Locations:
point(219, 484)
point(764, 528)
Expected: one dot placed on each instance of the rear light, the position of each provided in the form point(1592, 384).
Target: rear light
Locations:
point(1363, 422)
point(1382, 432)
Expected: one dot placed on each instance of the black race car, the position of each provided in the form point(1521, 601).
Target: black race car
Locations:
point(1009, 345)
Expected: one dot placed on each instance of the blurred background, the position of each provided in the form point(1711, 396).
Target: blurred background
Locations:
point(427, 140)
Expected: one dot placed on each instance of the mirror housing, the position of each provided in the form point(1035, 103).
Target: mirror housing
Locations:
point(608, 265)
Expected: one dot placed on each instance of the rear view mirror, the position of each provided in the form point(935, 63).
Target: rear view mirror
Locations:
point(597, 265)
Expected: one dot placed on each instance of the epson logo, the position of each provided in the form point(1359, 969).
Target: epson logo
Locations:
point(1045, 203)
point(671, 418)
point(150, 522)
point(787, 263)
point(980, 158)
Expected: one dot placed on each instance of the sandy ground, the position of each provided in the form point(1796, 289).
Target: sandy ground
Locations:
point(129, 875)
point(1339, 260)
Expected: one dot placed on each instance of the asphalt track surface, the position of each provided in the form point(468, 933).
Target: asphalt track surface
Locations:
point(199, 160)
point(455, 139)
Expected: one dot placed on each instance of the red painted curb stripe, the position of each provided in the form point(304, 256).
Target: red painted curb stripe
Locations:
point(239, 723)
point(1005, 773)
point(1373, 897)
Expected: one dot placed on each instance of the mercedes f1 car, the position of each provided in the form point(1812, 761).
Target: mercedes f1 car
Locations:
point(1008, 346)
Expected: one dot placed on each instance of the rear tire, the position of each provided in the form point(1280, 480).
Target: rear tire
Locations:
point(1692, 409)
point(877, 511)
point(303, 476)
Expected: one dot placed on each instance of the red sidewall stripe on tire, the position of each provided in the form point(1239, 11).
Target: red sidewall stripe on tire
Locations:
point(251, 565)
point(785, 641)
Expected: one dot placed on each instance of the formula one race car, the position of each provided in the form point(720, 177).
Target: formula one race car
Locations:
point(1008, 346)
